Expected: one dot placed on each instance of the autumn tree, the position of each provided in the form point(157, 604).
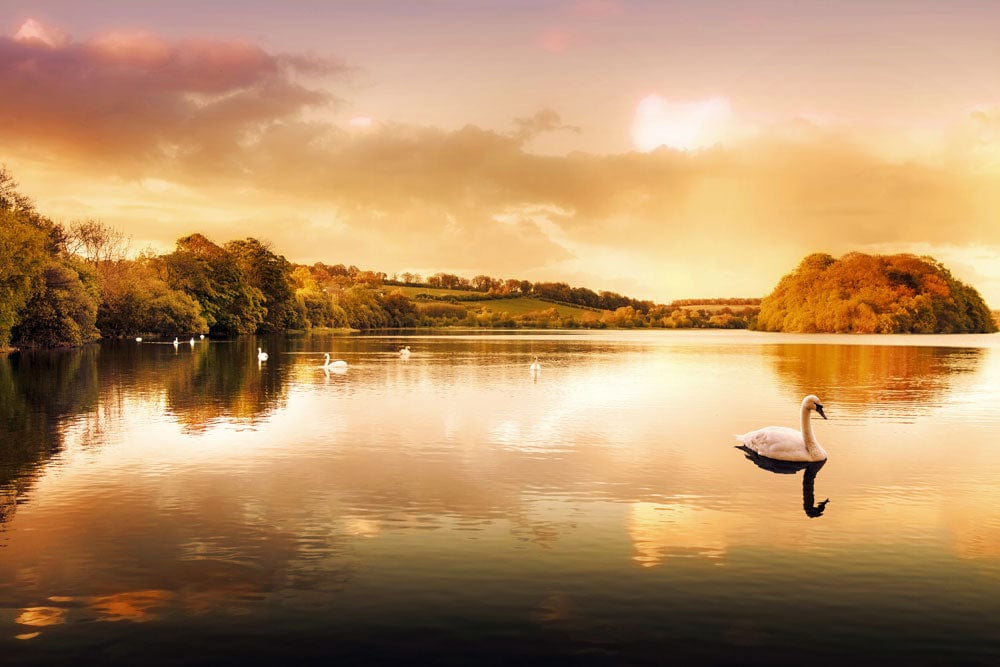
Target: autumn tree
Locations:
point(862, 293)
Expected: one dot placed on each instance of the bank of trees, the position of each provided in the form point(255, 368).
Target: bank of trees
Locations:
point(66, 286)
point(48, 296)
point(861, 293)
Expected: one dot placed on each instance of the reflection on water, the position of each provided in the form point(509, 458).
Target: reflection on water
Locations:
point(811, 469)
point(457, 506)
point(871, 377)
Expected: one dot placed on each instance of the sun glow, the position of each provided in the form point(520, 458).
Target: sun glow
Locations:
point(683, 126)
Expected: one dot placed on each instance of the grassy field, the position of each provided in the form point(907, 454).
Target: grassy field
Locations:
point(411, 292)
point(513, 306)
point(525, 304)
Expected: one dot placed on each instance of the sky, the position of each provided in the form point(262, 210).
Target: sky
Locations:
point(662, 150)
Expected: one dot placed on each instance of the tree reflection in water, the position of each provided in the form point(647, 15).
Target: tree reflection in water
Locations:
point(873, 377)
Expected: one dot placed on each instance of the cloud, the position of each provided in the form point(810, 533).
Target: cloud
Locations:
point(135, 97)
point(31, 31)
point(224, 122)
point(545, 120)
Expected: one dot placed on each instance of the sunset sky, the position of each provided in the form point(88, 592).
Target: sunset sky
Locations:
point(659, 149)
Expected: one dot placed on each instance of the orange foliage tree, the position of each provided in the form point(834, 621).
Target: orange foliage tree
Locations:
point(862, 293)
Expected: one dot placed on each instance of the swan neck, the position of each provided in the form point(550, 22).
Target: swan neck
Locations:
point(807, 431)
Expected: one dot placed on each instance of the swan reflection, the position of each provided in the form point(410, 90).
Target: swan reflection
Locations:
point(809, 504)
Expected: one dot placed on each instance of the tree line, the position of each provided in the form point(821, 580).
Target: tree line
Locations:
point(70, 285)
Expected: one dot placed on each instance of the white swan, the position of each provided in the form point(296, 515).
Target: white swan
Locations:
point(138, 339)
point(404, 351)
point(261, 356)
point(191, 341)
point(202, 336)
point(339, 363)
point(535, 366)
point(786, 444)
point(175, 342)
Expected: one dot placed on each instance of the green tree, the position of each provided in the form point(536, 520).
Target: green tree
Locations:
point(63, 311)
point(272, 275)
point(364, 308)
point(212, 276)
point(23, 259)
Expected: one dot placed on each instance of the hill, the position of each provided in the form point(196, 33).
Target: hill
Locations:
point(861, 293)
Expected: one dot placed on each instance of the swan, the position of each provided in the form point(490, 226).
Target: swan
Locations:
point(202, 336)
point(138, 339)
point(339, 363)
point(191, 341)
point(261, 356)
point(535, 366)
point(175, 342)
point(786, 444)
point(404, 351)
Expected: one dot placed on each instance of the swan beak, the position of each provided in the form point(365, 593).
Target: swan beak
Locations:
point(819, 409)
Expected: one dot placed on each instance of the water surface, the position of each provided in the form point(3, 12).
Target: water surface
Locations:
point(190, 505)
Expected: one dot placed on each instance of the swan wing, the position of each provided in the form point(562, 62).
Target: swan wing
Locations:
point(777, 442)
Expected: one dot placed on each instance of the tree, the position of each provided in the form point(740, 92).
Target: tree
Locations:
point(97, 242)
point(271, 274)
point(862, 293)
point(364, 308)
point(402, 312)
point(23, 258)
point(136, 300)
point(211, 275)
point(63, 311)
point(10, 198)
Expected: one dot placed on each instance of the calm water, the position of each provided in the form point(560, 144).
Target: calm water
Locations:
point(194, 506)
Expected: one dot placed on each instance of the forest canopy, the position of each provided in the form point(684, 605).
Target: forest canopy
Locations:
point(861, 293)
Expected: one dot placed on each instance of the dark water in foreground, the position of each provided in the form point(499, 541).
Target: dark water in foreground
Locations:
point(194, 506)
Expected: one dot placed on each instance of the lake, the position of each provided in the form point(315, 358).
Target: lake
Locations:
point(192, 505)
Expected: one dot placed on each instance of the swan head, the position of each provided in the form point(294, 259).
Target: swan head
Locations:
point(811, 402)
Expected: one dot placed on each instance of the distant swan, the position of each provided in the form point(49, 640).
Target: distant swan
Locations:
point(138, 339)
point(339, 363)
point(404, 351)
point(535, 366)
point(786, 444)
point(261, 356)
point(192, 341)
point(175, 342)
point(202, 336)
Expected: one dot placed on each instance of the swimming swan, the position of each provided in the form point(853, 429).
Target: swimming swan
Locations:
point(339, 363)
point(786, 444)
point(261, 356)
point(535, 366)
point(405, 351)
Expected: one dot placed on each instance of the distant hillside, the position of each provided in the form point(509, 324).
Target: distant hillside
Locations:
point(862, 293)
